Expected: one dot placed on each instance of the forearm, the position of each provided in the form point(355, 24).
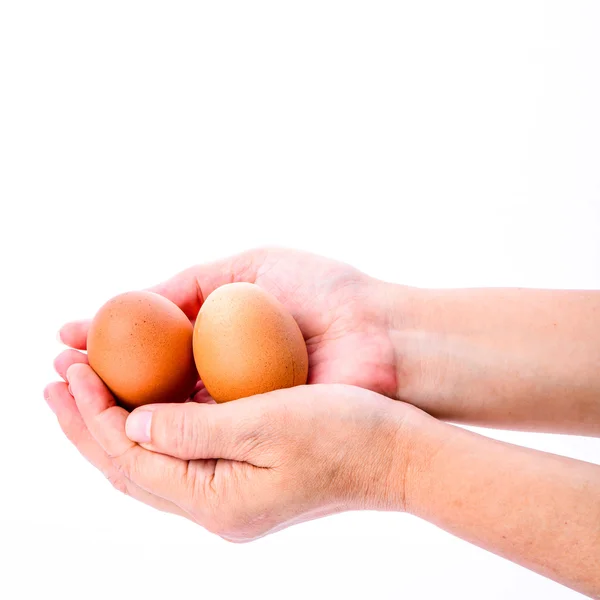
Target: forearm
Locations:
point(539, 510)
point(514, 358)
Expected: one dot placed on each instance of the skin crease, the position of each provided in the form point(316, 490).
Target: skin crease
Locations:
point(525, 359)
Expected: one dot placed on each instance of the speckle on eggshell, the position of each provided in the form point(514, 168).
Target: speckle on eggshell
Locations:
point(140, 344)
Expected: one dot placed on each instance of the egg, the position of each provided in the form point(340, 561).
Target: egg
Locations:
point(246, 342)
point(140, 344)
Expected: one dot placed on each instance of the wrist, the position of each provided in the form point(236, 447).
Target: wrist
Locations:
point(406, 441)
point(400, 306)
point(413, 326)
point(419, 440)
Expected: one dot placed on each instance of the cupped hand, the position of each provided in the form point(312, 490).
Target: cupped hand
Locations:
point(343, 313)
point(343, 316)
point(250, 467)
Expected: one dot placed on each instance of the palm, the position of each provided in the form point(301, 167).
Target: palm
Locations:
point(333, 303)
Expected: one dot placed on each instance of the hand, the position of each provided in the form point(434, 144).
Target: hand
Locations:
point(342, 312)
point(250, 467)
point(337, 308)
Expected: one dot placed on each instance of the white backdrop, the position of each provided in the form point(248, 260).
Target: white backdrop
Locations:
point(430, 143)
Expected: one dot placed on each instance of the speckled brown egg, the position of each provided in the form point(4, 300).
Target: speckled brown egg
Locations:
point(246, 343)
point(140, 344)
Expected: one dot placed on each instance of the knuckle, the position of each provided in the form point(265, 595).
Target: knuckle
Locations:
point(249, 440)
point(126, 465)
point(256, 436)
point(182, 430)
point(118, 482)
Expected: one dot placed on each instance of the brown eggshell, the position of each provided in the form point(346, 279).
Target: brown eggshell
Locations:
point(246, 343)
point(140, 344)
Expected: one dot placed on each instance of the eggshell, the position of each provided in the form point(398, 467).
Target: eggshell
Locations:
point(140, 344)
point(246, 343)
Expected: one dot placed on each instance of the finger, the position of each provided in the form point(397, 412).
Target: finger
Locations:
point(201, 395)
point(159, 474)
point(64, 407)
point(74, 334)
point(67, 358)
point(189, 288)
point(201, 431)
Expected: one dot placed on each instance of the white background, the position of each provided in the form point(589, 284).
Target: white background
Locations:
point(430, 143)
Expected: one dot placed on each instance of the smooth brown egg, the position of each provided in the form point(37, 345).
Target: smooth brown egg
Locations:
point(246, 342)
point(140, 344)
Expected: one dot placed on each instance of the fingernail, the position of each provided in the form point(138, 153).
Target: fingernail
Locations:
point(70, 390)
point(67, 373)
point(137, 426)
point(48, 399)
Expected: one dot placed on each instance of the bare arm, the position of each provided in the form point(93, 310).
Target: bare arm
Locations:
point(526, 359)
point(539, 510)
point(505, 358)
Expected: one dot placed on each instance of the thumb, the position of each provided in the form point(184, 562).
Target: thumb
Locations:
point(193, 430)
point(189, 288)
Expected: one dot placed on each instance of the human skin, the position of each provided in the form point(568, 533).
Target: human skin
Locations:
point(504, 358)
point(523, 359)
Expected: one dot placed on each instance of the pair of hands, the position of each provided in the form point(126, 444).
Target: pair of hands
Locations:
point(250, 467)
